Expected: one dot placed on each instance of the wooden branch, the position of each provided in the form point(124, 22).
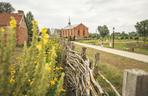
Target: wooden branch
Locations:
point(79, 74)
point(115, 90)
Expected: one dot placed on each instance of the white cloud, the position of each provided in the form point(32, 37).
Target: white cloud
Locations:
point(121, 14)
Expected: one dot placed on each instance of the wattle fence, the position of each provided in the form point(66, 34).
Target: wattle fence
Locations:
point(80, 81)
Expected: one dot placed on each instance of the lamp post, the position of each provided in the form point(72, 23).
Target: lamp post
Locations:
point(113, 36)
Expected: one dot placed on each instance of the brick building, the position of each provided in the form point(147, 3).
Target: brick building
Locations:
point(77, 31)
point(21, 29)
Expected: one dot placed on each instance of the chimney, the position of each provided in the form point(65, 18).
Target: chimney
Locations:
point(21, 12)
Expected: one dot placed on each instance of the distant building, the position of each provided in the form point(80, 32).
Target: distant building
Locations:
point(74, 31)
point(55, 32)
point(21, 29)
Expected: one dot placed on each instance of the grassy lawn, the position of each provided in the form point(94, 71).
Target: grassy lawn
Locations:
point(112, 67)
point(125, 45)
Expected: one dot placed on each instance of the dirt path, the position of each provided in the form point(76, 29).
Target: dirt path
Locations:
point(135, 56)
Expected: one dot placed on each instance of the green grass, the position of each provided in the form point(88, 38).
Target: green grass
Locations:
point(112, 67)
point(122, 45)
point(113, 75)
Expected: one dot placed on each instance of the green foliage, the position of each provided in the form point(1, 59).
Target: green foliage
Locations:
point(103, 30)
point(7, 45)
point(142, 28)
point(29, 17)
point(94, 35)
point(6, 7)
point(36, 72)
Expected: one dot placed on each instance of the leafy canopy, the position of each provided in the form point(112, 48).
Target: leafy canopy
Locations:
point(103, 30)
point(6, 7)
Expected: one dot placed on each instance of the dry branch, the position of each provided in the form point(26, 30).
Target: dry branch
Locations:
point(79, 73)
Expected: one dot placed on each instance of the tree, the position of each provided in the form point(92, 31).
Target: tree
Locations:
point(29, 18)
point(124, 35)
point(6, 7)
point(94, 35)
point(133, 35)
point(142, 29)
point(103, 30)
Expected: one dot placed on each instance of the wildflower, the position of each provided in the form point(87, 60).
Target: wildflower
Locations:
point(12, 23)
point(52, 82)
point(39, 46)
point(45, 41)
point(49, 69)
point(34, 22)
point(53, 52)
point(44, 30)
point(30, 82)
point(34, 27)
point(12, 71)
point(12, 81)
point(2, 30)
point(62, 90)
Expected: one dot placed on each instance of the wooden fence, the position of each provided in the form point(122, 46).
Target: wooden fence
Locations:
point(80, 81)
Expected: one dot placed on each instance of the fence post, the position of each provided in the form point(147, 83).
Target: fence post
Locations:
point(72, 46)
point(83, 53)
point(135, 83)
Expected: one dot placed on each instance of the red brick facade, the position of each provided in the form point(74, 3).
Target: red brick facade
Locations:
point(21, 29)
point(75, 31)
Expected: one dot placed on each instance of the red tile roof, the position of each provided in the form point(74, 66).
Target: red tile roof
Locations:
point(5, 18)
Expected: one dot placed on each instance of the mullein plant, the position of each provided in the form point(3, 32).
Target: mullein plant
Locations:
point(7, 46)
point(36, 72)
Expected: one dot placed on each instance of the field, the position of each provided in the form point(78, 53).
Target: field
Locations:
point(112, 66)
point(126, 45)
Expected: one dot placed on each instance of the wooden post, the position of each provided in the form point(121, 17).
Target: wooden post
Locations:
point(83, 53)
point(135, 83)
point(72, 46)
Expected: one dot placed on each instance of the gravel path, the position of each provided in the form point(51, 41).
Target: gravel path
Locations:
point(131, 55)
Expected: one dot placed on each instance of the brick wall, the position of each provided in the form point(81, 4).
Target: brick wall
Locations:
point(21, 33)
point(79, 32)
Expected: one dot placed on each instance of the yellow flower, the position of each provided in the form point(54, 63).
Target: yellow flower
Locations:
point(39, 46)
point(46, 36)
point(62, 90)
point(34, 22)
point(12, 71)
point(55, 79)
point(52, 82)
point(49, 69)
point(12, 81)
point(31, 82)
point(12, 23)
point(45, 41)
point(44, 30)
point(2, 30)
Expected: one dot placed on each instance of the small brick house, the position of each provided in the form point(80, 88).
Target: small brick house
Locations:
point(77, 31)
point(21, 29)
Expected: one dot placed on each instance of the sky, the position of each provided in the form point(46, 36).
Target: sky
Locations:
point(121, 14)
